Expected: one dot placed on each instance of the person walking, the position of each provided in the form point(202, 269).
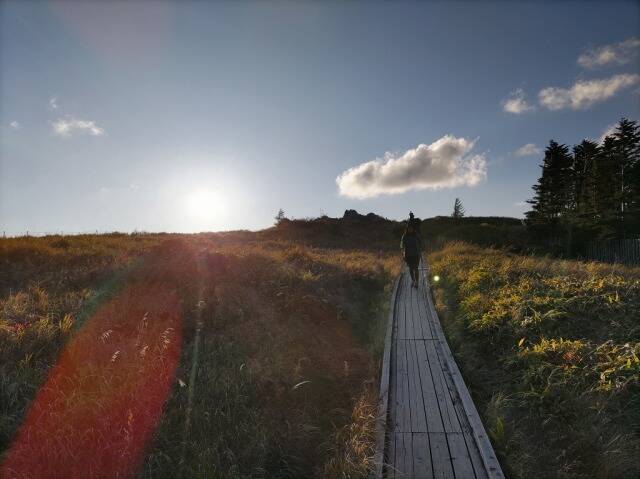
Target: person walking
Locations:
point(416, 223)
point(411, 245)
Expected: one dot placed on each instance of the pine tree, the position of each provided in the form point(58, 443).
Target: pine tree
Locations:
point(607, 181)
point(280, 216)
point(584, 172)
point(554, 193)
point(627, 163)
point(594, 192)
point(458, 209)
point(582, 221)
point(537, 217)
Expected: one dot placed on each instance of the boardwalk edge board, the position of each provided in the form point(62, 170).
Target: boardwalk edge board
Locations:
point(383, 401)
point(492, 466)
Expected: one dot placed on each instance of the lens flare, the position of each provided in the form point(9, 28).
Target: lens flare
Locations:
point(436, 278)
point(102, 401)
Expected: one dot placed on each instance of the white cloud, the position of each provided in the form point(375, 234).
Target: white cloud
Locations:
point(585, 93)
point(516, 103)
point(521, 204)
point(67, 126)
point(444, 163)
point(15, 125)
point(528, 149)
point(53, 103)
point(608, 131)
point(614, 54)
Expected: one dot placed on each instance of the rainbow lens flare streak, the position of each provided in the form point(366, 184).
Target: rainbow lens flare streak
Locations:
point(100, 404)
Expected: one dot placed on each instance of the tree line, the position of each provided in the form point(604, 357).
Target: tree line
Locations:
point(591, 191)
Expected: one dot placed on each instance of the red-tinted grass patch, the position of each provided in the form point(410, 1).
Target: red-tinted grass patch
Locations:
point(100, 405)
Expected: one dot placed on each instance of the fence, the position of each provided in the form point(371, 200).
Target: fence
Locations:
point(625, 251)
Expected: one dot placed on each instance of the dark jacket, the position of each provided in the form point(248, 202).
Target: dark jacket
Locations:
point(416, 223)
point(411, 245)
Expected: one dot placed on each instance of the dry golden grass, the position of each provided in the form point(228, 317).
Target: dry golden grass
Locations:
point(277, 361)
point(551, 351)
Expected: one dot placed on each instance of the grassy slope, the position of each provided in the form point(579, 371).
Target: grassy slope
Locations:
point(271, 313)
point(550, 350)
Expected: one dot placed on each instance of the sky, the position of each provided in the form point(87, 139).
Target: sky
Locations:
point(204, 116)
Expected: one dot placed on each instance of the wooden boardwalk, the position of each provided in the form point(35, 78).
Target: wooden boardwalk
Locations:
point(428, 425)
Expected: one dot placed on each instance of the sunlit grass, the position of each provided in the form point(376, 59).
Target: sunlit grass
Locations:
point(551, 350)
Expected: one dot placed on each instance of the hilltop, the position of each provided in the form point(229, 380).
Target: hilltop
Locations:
point(371, 231)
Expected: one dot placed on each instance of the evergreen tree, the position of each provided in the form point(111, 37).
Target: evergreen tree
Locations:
point(584, 173)
point(582, 222)
point(458, 209)
point(607, 181)
point(627, 162)
point(280, 216)
point(594, 192)
point(554, 193)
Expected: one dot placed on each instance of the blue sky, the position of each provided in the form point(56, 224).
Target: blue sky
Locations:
point(199, 116)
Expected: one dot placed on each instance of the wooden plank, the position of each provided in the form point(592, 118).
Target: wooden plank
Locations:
point(409, 312)
point(474, 454)
point(410, 331)
point(402, 404)
point(422, 467)
point(442, 468)
point(404, 455)
point(431, 407)
point(455, 397)
point(424, 316)
point(393, 388)
point(401, 313)
point(415, 308)
point(453, 393)
point(418, 419)
point(415, 316)
point(417, 323)
point(385, 376)
point(447, 411)
point(393, 318)
point(460, 459)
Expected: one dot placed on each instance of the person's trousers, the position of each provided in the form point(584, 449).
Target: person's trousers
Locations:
point(412, 263)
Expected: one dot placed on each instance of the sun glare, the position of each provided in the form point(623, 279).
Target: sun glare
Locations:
point(205, 207)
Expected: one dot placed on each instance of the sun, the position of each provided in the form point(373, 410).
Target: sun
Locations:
point(205, 206)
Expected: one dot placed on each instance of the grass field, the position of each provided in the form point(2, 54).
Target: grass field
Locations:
point(221, 355)
point(551, 352)
point(256, 354)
